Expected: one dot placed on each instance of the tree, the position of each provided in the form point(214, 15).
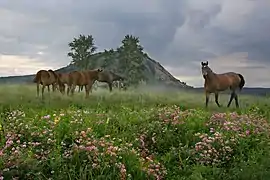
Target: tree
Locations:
point(108, 58)
point(131, 60)
point(81, 51)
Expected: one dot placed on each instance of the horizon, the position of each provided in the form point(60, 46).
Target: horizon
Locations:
point(232, 36)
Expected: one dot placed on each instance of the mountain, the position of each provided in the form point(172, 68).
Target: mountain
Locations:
point(156, 73)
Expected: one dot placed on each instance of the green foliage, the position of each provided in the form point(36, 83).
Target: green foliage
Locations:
point(131, 135)
point(109, 59)
point(81, 51)
point(131, 58)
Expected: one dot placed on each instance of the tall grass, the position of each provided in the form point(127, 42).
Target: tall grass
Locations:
point(145, 134)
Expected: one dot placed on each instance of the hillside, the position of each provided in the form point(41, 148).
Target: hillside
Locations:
point(154, 71)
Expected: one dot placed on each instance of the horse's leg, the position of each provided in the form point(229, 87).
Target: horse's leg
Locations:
point(207, 95)
point(53, 87)
point(68, 89)
point(37, 89)
point(42, 91)
point(64, 89)
point(110, 86)
point(231, 98)
point(236, 100)
point(48, 88)
point(73, 87)
point(216, 99)
point(87, 89)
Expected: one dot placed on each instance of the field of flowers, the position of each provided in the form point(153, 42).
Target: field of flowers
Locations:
point(127, 135)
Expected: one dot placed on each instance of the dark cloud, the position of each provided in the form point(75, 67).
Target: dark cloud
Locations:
point(178, 33)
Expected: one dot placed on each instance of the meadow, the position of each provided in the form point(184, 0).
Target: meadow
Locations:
point(145, 134)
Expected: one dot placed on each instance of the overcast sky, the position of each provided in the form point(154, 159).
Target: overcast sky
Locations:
point(231, 35)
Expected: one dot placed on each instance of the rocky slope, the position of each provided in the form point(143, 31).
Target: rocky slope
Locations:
point(157, 73)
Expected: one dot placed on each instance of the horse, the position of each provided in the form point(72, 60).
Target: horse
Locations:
point(109, 77)
point(82, 78)
point(215, 83)
point(64, 78)
point(46, 78)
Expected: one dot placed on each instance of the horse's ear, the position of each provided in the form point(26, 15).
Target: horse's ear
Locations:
point(100, 70)
point(202, 63)
point(206, 63)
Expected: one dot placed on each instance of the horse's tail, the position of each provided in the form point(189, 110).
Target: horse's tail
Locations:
point(242, 81)
point(37, 77)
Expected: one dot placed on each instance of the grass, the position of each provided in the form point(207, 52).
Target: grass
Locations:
point(149, 134)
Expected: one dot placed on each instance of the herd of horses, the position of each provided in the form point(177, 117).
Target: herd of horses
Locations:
point(72, 79)
point(213, 82)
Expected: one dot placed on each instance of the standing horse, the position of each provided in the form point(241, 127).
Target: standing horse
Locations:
point(109, 77)
point(215, 83)
point(64, 79)
point(82, 78)
point(46, 78)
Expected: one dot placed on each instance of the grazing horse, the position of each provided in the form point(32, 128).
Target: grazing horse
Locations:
point(64, 79)
point(46, 78)
point(82, 78)
point(215, 83)
point(109, 77)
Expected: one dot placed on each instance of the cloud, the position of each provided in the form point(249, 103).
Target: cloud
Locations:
point(19, 65)
point(179, 33)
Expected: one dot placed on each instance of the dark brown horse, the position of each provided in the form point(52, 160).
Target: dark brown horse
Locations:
point(82, 78)
point(46, 78)
point(215, 83)
point(109, 77)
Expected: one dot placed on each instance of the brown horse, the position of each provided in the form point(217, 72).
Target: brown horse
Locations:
point(64, 78)
point(109, 77)
point(82, 78)
point(215, 83)
point(46, 78)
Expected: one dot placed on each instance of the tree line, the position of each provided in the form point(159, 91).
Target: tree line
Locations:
point(128, 58)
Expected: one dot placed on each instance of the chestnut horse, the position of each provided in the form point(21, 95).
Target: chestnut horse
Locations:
point(215, 83)
point(64, 78)
point(82, 78)
point(46, 78)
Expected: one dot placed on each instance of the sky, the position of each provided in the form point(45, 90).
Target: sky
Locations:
point(230, 35)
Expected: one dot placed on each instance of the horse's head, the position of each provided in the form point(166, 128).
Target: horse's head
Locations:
point(205, 69)
point(62, 88)
point(59, 84)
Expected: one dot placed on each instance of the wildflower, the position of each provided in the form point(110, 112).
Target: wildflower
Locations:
point(56, 120)
point(46, 117)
